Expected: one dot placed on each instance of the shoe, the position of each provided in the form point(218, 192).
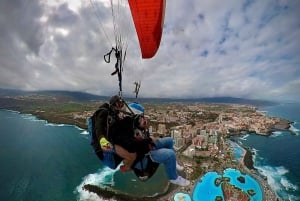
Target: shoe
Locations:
point(180, 181)
point(179, 167)
point(124, 168)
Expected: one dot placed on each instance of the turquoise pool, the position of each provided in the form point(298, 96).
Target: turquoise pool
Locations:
point(206, 190)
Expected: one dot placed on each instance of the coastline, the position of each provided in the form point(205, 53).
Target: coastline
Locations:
point(247, 159)
point(248, 164)
point(109, 193)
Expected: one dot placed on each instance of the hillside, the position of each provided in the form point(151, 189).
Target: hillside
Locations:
point(86, 97)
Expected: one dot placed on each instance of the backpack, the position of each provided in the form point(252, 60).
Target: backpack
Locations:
point(108, 158)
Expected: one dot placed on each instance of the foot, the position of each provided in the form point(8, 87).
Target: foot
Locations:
point(179, 167)
point(124, 168)
point(180, 181)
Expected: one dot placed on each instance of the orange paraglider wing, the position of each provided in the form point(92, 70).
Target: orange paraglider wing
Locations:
point(148, 17)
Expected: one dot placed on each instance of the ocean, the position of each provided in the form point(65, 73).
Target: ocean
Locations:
point(277, 157)
point(42, 161)
point(46, 162)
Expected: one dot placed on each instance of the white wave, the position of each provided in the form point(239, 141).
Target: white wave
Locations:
point(254, 155)
point(276, 133)
point(254, 151)
point(294, 129)
point(287, 185)
point(292, 198)
point(34, 118)
point(88, 196)
point(13, 111)
point(277, 180)
point(81, 129)
point(244, 137)
point(84, 132)
point(281, 170)
point(105, 176)
point(262, 112)
point(31, 117)
point(53, 124)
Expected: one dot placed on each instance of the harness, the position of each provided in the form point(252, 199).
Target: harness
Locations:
point(145, 168)
point(109, 158)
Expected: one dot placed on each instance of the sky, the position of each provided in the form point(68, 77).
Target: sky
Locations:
point(236, 48)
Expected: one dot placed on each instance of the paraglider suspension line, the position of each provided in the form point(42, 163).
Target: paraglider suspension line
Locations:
point(137, 88)
point(118, 65)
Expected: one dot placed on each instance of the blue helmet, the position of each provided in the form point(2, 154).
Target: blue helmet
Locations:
point(136, 108)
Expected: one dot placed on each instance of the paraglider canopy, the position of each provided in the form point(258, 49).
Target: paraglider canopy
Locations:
point(148, 17)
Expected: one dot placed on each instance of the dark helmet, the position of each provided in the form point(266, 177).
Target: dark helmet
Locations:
point(114, 99)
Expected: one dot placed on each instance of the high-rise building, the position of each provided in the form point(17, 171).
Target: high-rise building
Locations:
point(161, 130)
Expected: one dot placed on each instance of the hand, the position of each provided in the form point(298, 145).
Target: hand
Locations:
point(107, 147)
point(138, 138)
point(154, 139)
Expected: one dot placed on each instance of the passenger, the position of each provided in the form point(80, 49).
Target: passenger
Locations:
point(103, 118)
point(160, 150)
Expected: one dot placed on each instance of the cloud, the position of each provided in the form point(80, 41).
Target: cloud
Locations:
point(247, 49)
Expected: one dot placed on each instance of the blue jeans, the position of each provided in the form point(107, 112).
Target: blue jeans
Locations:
point(164, 153)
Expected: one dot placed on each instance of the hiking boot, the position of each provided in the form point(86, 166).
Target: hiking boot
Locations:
point(180, 181)
point(179, 167)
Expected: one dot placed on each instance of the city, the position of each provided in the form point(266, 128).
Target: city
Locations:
point(200, 131)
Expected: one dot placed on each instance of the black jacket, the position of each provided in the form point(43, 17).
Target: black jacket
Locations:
point(101, 124)
point(122, 133)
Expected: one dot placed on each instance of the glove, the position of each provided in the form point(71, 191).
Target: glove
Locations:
point(105, 145)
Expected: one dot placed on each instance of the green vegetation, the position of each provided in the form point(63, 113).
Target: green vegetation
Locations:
point(53, 109)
